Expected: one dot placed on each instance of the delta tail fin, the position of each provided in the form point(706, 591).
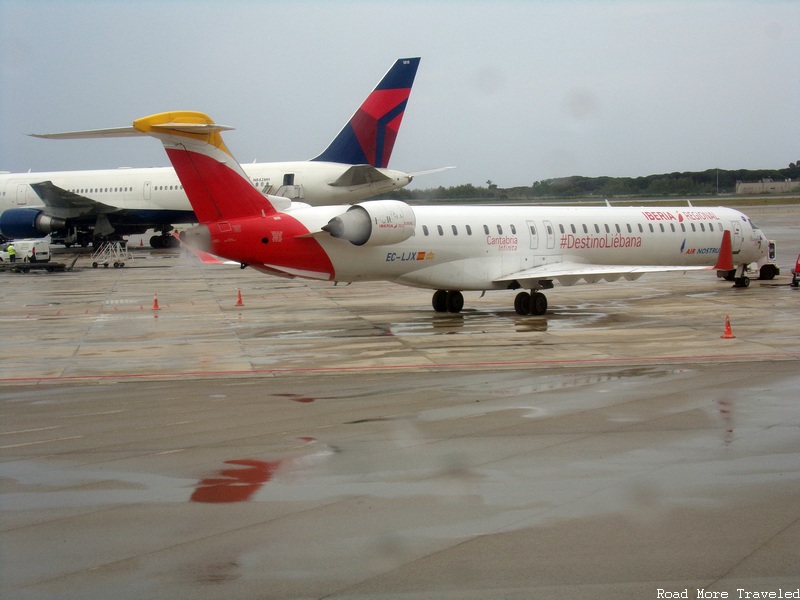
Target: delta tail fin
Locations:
point(368, 137)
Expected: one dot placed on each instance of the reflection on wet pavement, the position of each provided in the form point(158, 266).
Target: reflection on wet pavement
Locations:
point(235, 485)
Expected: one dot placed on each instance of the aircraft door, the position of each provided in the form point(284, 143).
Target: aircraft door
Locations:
point(22, 190)
point(146, 189)
point(290, 188)
point(551, 235)
point(534, 233)
point(736, 237)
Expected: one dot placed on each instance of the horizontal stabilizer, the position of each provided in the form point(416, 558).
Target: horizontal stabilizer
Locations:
point(431, 171)
point(358, 175)
point(89, 134)
point(184, 127)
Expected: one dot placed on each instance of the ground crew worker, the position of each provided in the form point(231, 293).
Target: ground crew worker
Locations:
point(12, 254)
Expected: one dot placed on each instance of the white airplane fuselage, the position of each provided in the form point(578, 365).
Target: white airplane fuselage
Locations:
point(158, 189)
point(501, 247)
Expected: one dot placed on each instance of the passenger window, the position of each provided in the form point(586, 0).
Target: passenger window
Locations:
point(585, 229)
point(672, 226)
point(439, 228)
point(596, 228)
point(513, 229)
point(702, 227)
point(641, 229)
point(469, 230)
point(455, 229)
point(630, 229)
point(486, 229)
point(533, 230)
point(693, 227)
point(608, 229)
point(572, 227)
point(651, 228)
point(561, 228)
point(425, 229)
point(500, 230)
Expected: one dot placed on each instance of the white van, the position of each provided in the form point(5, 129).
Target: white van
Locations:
point(27, 250)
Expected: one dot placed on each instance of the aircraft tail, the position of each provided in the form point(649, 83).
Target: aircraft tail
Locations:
point(215, 183)
point(369, 135)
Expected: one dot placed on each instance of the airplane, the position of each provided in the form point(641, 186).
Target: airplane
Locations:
point(449, 249)
point(77, 206)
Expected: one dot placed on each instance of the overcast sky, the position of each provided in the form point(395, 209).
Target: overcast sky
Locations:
point(512, 92)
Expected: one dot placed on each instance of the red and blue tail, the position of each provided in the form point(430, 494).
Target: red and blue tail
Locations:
point(369, 136)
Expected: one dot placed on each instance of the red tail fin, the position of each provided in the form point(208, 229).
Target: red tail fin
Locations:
point(217, 187)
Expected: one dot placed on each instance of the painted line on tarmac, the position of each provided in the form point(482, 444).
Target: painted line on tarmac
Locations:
point(429, 367)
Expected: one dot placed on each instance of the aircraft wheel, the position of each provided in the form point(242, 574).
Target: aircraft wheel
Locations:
point(768, 272)
point(94, 265)
point(522, 303)
point(538, 303)
point(742, 282)
point(455, 302)
point(439, 301)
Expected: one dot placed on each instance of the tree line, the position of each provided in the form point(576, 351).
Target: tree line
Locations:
point(702, 183)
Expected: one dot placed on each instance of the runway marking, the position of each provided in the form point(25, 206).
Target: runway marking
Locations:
point(73, 437)
point(30, 430)
point(95, 414)
point(426, 367)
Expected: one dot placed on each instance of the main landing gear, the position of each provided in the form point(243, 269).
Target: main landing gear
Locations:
point(448, 301)
point(534, 303)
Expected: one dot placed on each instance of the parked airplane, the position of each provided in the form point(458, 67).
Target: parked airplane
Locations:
point(76, 206)
point(449, 249)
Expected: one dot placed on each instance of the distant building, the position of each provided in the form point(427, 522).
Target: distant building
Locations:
point(767, 186)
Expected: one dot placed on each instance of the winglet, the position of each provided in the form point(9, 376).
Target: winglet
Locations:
point(725, 260)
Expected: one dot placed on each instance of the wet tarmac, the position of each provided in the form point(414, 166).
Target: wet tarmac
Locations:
point(348, 442)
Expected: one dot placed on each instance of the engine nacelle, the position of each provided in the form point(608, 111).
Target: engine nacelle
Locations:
point(21, 223)
point(374, 223)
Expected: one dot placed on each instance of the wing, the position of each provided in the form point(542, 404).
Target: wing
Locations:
point(65, 204)
point(570, 273)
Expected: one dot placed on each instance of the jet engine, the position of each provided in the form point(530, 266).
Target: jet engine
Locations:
point(374, 223)
point(20, 223)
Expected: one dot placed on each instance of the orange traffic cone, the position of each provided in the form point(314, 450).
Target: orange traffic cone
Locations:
point(239, 297)
point(155, 302)
point(728, 335)
point(141, 242)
